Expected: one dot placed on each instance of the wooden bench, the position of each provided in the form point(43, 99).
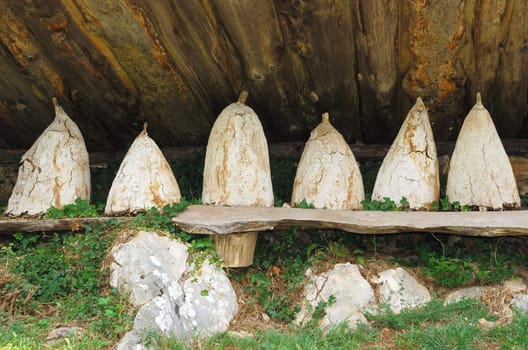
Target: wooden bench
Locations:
point(219, 220)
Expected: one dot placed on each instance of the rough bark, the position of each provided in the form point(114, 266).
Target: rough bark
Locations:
point(176, 64)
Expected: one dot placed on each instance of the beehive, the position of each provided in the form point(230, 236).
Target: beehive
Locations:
point(237, 173)
point(328, 175)
point(480, 172)
point(410, 168)
point(144, 179)
point(54, 171)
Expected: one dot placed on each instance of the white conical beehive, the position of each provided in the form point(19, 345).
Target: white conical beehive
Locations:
point(237, 173)
point(54, 171)
point(328, 175)
point(410, 168)
point(480, 172)
point(144, 179)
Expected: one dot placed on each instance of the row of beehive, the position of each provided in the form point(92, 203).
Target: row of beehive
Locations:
point(55, 171)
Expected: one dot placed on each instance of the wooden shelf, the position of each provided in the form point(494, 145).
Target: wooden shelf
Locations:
point(41, 225)
point(202, 219)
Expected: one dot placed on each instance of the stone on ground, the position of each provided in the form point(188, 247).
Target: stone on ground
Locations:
point(399, 290)
point(351, 293)
point(520, 302)
point(465, 293)
point(175, 297)
point(61, 334)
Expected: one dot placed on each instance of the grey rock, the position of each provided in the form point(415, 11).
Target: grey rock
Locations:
point(210, 301)
point(514, 286)
point(160, 314)
point(175, 297)
point(469, 292)
point(57, 335)
point(520, 302)
point(147, 266)
point(351, 293)
point(131, 341)
point(399, 290)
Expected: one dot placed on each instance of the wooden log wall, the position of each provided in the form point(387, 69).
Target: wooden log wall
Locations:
point(115, 64)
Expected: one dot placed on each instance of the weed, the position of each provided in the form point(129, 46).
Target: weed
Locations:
point(457, 334)
point(476, 262)
point(304, 205)
point(80, 209)
point(359, 254)
point(62, 273)
point(445, 205)
point(160, 220)
point(386, 204)
point(320, 310)
point(276, 287)
point(514, 335)
point(449, 272)
point(432, 312)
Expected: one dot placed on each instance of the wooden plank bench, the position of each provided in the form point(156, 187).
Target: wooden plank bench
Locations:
point(219, 220)
point(66, 224)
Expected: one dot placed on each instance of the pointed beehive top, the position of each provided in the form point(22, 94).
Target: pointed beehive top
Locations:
point(478, 103)
point(243, 96)
point(419, 105)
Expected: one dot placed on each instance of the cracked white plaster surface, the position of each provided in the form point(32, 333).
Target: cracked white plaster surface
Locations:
point(54, 171)
point(410, 168)
point(480, 172)
point(144, 179)
point(328, 175)
point(237, 170)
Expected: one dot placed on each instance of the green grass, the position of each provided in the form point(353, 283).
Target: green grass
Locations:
point(60, 279)
point(293, 338)
point(435, 326)
point(63, 279)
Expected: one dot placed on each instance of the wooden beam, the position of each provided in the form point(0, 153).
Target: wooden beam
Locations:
point(42, 225)
point(202, 219)
point(514, 147)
